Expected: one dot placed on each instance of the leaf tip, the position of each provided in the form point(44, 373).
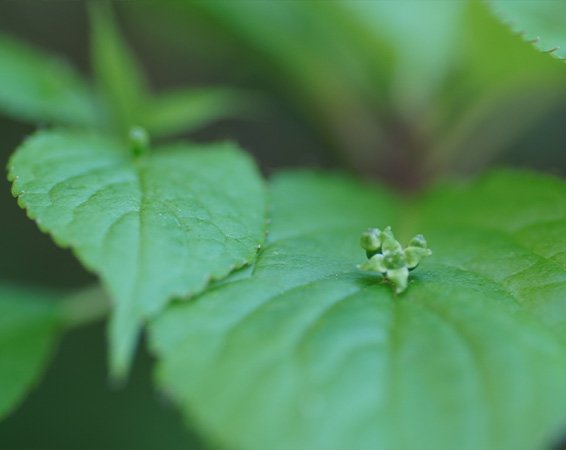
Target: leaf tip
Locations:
point(124, 332)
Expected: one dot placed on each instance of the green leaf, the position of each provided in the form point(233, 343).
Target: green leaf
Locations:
point(504, 90)
point(306, 352)
point(443, 72)
point(28, 325)
point(117, 72)
point(422, 34)
point(40, 88)
point(189, 109)
point(307, 51)
point(538, 21)
point(154, 227)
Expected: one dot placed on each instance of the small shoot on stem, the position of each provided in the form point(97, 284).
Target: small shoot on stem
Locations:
point(139, 141)
point(387, 256)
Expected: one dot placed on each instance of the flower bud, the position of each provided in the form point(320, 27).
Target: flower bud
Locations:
point(371, 241)
point(394, 260)
point(387, 256)
point(399, 278)
point(374, 264)
point(389, 243)
point(418, 241)
point(414, 256)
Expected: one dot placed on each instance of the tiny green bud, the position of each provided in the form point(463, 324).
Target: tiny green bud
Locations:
point(416, 251)
point(414, 256)
point(394, 260)
point(375, 264)
point(387, 256)
point(399, 278)
point(389, 243)
point(371, 241)
point(139, 141)
point(418, 241)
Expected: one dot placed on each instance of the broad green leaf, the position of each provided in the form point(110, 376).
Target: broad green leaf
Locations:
point(28, 326)
point(306, 352)
point(189, 109)
point(154, 227)
point(40, 88)
point(120, 79)
point(538, 21)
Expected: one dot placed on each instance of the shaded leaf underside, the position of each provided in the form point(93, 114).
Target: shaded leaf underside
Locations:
point(304, 351)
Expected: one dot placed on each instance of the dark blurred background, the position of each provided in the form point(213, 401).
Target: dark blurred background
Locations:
point(331, 112)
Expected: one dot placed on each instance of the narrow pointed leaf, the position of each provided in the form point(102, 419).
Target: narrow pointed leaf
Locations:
point(153, 227)
point(40, 88)
point(307, 352)
point(120, 79)
point(28, 327)
point(189, 109)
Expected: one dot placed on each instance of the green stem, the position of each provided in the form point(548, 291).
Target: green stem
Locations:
point(84, 307)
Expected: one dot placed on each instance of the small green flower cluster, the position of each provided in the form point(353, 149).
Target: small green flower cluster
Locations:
point(387, 256)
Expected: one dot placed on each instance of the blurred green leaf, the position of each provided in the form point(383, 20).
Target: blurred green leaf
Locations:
point(120, 78)
point(189, 109)
point(393, 87)
point(28, 325)
point(424, 38)
point(313, 52)
point(501, 89)
point(538, 21)
point(40, 88)
point(306, 352)
point(155, 226)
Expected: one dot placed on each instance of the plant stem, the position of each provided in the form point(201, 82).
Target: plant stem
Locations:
point(85, 306)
